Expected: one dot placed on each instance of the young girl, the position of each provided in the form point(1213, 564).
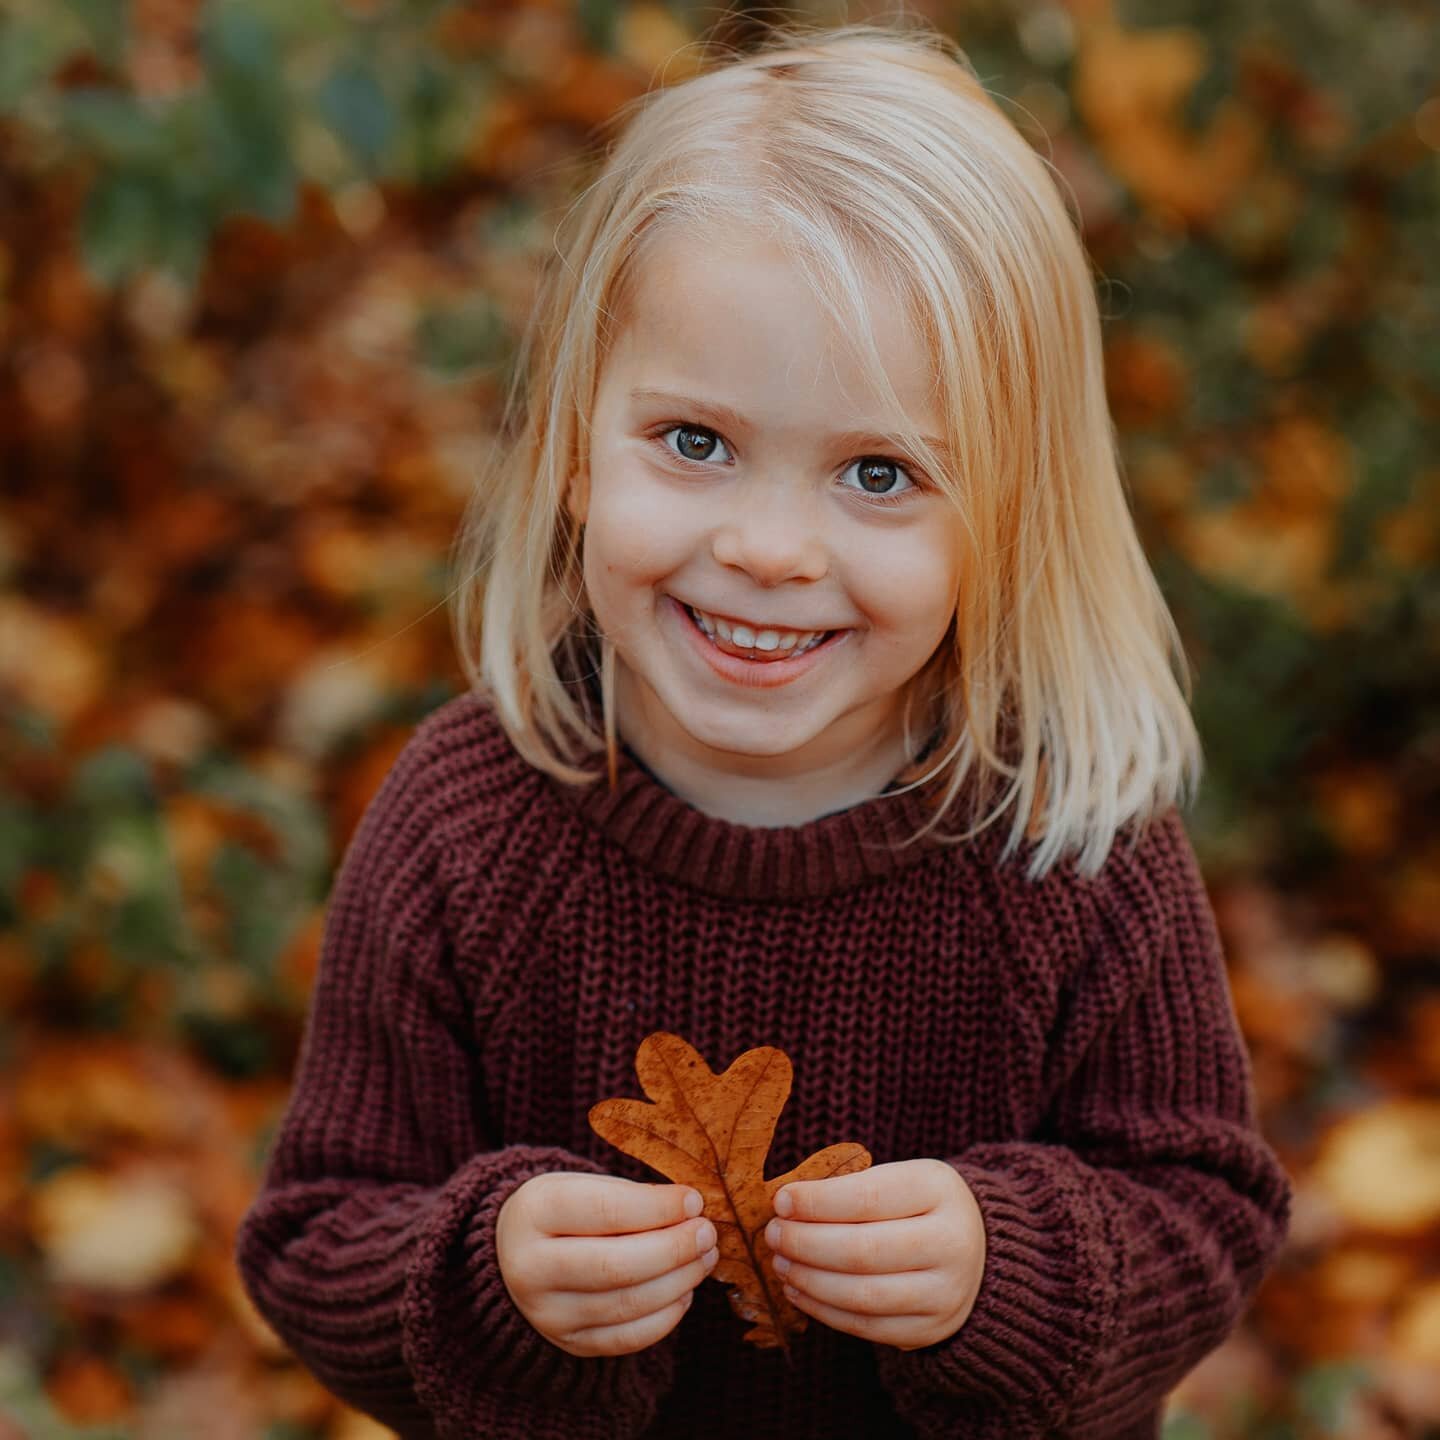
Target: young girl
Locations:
point(812, 525)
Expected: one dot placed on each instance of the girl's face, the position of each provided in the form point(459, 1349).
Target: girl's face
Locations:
point(738, 492)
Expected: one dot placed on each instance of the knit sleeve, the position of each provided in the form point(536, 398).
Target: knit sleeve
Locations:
point(370, 1248)
point(1126, 1238)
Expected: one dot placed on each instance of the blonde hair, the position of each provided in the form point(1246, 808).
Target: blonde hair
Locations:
point(858, 146)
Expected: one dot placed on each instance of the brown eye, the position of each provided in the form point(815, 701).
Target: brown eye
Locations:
point(875, 473)
point(695, 443)
point(879, 471)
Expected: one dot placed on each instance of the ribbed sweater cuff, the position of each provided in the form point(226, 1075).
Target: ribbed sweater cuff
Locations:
point(467, 1343)
point(1044, 1313)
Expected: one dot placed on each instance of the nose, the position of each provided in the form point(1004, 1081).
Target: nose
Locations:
point(769, 532)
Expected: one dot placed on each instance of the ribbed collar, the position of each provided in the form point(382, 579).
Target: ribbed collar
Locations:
point(668, 835)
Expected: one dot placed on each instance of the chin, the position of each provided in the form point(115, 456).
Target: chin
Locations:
point(758, 737)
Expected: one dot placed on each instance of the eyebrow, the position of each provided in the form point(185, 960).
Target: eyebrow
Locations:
point(733, 420)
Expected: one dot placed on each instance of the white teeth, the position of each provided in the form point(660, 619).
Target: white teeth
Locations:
point(743, 637)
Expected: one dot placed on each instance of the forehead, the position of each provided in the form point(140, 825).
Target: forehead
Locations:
point(728, 311)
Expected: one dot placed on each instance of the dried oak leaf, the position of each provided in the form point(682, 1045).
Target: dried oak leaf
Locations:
point(713, 1132)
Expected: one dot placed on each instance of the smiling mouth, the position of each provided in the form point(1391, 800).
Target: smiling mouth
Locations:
point(771, 652)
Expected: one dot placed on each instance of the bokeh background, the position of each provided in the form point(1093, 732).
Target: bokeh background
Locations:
point(263, 268)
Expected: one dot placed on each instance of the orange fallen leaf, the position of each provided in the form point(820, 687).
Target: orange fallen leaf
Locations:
point(88, 1389)
point(1377, 1167)
point(713, 1132)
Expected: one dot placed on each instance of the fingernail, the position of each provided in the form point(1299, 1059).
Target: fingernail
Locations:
point(772, 1233)
point(711, 1256)
point(704, 1237)
point(693, 1204)
point(784, 1203)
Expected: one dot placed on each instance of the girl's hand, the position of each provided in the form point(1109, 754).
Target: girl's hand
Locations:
point(894, 1253)
point(600, 1265)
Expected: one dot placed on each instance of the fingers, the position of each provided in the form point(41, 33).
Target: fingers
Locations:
point(617, 1262)
point(896, 1330)
point(891, 1191)
point(632, 1335)
point(576, 1204)
point(914, 1293)
point(605, 1310)
point(882, 1247)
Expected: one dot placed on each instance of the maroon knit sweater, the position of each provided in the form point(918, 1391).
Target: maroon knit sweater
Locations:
point(497, 945)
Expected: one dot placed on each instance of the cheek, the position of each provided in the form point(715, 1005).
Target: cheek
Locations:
point(908, 592)
point(631, 535)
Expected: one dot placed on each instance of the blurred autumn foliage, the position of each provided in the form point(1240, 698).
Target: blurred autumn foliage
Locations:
point(263, 264)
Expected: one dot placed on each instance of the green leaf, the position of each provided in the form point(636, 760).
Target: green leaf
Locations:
point(29, 52)
point(246, 124)
point(117, 226)
point(184, 241)
point(1183, 1426)
point(113, 778)
point(133, 220)
point(294, 817)
point(1382, 435)
point(34, 727)
point(355, 107)
point(19, 831)
point(115, 126)
point(457, 338)
point(290, 1430)
point(262, 906)
point(599, 21)
point(297, 22)
point(106, 27)
point(1326, 1390)
point(233, 40)
point(429, 107)
point(237, 1048)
